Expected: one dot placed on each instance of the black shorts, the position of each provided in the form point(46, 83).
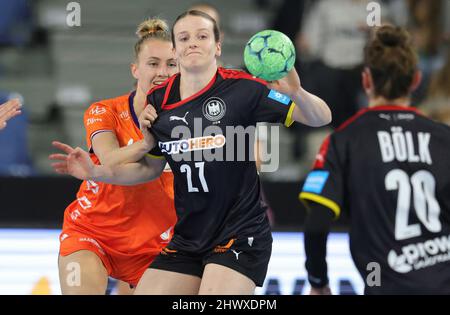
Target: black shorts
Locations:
point(248, 256)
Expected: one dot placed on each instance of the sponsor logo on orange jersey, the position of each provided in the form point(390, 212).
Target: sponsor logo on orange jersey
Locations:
point(91, 121)
point(97, 110)
point(125, 115)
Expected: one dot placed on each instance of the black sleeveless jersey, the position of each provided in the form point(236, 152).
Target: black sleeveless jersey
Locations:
point(207, 141)
point(388, 166)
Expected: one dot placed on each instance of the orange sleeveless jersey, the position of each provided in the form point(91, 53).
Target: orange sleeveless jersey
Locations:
point(130, 219)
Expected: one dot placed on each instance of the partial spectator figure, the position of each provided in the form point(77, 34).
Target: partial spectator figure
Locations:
point(437, 103)
point(14, 154)
point(288, 19)
point(395, 12)
point(427, 28)
point(334, 34)
point(446, 18)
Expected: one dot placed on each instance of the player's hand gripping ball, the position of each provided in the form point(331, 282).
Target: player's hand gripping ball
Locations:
point(269, 55)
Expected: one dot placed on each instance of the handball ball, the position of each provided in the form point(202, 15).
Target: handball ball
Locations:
point(269, 55)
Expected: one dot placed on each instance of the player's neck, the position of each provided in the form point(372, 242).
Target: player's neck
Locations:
point(139, 101)
point(401, 101)
point(192, 82)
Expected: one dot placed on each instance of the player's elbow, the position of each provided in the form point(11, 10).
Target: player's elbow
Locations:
point(318, 114)
point(327, 118)
point(324, 118)
point(320, 120)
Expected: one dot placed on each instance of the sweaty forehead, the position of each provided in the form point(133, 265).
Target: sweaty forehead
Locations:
point(192, 24)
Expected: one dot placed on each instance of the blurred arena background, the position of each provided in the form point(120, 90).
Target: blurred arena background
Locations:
point(60, 70)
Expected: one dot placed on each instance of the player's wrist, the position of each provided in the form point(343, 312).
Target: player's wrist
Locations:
point(299, 95)
point(318, 283)
point(100, 173)
point(322, 291)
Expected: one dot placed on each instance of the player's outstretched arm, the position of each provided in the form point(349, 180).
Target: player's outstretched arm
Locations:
point(311, 110)
point(106, 146)
point(9, 110)
point(77, 162)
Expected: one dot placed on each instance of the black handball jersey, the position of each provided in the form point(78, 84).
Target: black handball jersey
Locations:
point(206, 140)
point(388, 166)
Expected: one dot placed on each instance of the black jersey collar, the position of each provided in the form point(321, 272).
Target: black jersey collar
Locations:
point(177, 86)
point(387, 107)
point(392, 107)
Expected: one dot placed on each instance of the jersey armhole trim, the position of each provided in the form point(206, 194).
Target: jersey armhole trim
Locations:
point(91, 137)
point(330, 204)
point(100, 131)
point(155, 156)
point(289, 121)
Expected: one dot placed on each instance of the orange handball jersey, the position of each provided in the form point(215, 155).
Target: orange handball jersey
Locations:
point(129, 219)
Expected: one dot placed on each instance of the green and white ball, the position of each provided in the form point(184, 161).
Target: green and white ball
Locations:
point(269, 55)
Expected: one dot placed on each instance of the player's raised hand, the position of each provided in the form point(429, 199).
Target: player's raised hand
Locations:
point(146, 120)
point(76, 162)
point(8, 110)
point(288, 85)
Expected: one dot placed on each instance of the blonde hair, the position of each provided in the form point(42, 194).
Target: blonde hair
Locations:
point(153, 28)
